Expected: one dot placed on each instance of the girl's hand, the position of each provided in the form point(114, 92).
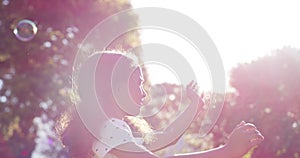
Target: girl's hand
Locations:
point(244, 137)
point(192, 89)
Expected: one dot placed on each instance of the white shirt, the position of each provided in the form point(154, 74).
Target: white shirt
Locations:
point(114, 132)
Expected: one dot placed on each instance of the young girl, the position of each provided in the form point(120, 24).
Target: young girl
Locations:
point(118, 83)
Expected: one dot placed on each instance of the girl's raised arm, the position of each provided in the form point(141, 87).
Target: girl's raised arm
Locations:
point(177, 128)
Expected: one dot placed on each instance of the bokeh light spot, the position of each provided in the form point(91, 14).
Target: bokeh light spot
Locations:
point(3, 99)
point(1, 84)
point(47, 44)
point(295, 125)
point(268, 110)
point(5, 2)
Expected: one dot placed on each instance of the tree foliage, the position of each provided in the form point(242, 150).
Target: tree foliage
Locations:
point(268, 95)
point(35, 75)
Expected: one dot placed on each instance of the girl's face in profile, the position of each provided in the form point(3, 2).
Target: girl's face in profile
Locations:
point(136, 89)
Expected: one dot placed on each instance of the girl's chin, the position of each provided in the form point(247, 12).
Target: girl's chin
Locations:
point(141, 103)
point(144, 101)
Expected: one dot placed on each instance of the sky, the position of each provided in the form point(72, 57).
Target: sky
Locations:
point(241, 30)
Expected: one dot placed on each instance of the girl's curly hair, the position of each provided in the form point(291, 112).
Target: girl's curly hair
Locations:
point(76, 137)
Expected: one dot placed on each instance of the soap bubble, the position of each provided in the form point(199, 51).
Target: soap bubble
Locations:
point(25, 30)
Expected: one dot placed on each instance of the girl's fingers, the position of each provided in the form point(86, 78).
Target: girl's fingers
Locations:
point(258, 135)
point(256, 140)
point(190, 84)
point(255, 134)
point(255, 137)
point(240, 124)
point(247, 127)
point(193, 82)
point(195, 87)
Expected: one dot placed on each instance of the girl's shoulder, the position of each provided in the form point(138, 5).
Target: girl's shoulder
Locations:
point(114, 132)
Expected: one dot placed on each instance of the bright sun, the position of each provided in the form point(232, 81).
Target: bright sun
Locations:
point(242, 32)
point(186, 54)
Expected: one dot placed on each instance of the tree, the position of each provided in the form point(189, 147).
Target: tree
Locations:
point(268, 95)
point(35, 74)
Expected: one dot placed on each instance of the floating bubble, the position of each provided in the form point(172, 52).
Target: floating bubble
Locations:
point(25, 30)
